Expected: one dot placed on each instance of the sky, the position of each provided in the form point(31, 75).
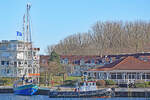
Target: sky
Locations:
point(53, 20)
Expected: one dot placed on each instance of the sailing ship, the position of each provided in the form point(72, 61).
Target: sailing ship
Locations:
point(25, 89)
point(25, 86)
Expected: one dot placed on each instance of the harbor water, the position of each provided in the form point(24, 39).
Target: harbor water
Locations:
point(42, 97)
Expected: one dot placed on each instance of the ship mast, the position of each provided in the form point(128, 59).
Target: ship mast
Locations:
point(27, 29)
point(28, 53)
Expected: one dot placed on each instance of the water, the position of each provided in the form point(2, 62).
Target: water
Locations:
point(41, 97)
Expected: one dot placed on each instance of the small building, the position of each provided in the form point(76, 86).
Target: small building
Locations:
point(44, 62)
point(125, 70)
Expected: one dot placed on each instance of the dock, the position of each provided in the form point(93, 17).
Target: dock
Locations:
point(6, 89)
point(118, 92)
point(132, 92)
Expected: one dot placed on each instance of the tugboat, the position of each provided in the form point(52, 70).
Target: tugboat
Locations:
point(85, 89)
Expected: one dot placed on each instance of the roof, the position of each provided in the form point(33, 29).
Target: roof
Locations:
point(128, 63)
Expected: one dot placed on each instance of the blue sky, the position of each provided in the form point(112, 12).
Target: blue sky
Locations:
point(53, 20)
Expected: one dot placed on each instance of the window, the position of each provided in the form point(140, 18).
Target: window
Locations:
point(30, 71)
point(95, 74)
point(86, 84)
point(2, 62)
point(129, 76)
point(93, 84)
point(138, 76)
point(148, 76)
point(43, 61)
point(25, 62)
point(119, 76)
point(19, 62)
point(34, 71)
point(8, 71)
point(7, 62)
point(15, 63)
point(113, 76)
point(34, 53)
point(143, 76)
point(66, 61)
point(92, 61)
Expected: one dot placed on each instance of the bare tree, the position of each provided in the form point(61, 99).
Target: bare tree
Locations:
point(111, 37)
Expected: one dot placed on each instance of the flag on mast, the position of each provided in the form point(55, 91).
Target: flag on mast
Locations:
point(19, 33)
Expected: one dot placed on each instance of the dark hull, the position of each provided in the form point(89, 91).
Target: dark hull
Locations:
point(83, 94)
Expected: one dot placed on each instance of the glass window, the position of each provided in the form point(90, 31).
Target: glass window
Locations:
point(2, 62)
point(113, 76)
point(86, 84)
point(15, 63)
point(8, 71)
point(92, 61)
point(119, 76)
point(143, 76)
point(7, 62)
point(130, 77)
point(19, 62)
point(93, 84)
point(148, 76)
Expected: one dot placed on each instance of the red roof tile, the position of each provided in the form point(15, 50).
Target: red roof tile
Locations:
point(129, 63)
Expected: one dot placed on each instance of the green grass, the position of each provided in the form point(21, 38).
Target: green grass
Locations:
point(58, 80)
point(73, 78)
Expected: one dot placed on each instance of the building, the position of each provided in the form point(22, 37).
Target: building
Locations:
point(79, 64)
point(44, 61)
point(18, 58)
point(125, 70)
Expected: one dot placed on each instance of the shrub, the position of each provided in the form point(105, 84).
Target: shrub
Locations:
point(6, 81)
point(101, 83)
point(110, 82)
point(140, 85)
point(70, 83)
point(147, 84)
point(139, 81)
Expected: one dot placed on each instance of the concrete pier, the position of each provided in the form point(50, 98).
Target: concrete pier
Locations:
point(132, 92)
point(6, 89)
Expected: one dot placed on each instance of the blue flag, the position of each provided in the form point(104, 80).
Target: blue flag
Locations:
point(19, 33)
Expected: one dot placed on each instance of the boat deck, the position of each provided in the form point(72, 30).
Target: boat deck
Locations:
point(79, 94)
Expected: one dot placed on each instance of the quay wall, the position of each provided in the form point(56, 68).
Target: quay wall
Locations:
point(132, 92)
point(118, 92)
